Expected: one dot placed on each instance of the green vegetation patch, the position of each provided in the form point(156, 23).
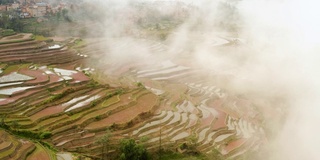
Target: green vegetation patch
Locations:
point(40, 38)
point(26, 133)
point(7, 32)
point(130, 150)
point(79, 43)
point(58, 96)
point(179, 156)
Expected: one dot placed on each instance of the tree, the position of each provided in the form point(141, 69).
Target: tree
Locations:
point(58, 16)
point(104, 141)
point(16, 24)
point(14, 124)
point(64, 12)
point(215, 154)
point(6, 1)
point(65, 15)
point(4, 21)
point(130, 150)
point(192, 142)
point(2, 122)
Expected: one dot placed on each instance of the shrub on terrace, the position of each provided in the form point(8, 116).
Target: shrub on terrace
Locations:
point(130, 150)
point(140, 85)
point(98, 118)
point(45, 135)
point(32, 134)
point(7, 32)
point(215, 154)
point(93, 84)
point(119, 91)
point(58, 96)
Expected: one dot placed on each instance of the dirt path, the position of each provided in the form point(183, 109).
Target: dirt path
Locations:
point(11, 39)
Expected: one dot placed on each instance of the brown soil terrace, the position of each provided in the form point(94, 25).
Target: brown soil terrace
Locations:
point(182, 100)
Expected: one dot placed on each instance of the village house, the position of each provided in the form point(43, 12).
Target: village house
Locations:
point(9, 8)
point(32, 8)
point(38, 10)
point(24, 2)
point(15, 5)
point(34, 12)
point(24, 15)
point(3, 8)
point(24, 12)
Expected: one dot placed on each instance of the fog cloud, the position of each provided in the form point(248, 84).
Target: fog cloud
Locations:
point(285, 36)
point(277, 57)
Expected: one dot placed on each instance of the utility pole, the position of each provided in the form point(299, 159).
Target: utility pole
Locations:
point(160, 141)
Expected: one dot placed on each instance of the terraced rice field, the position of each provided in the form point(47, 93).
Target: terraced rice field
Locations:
point(45, 89)
point(41, 91)
point(193, 104)
point(17, 148)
